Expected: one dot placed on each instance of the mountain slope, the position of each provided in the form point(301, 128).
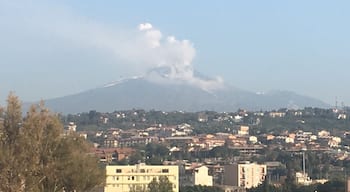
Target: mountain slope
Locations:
point(144, 94)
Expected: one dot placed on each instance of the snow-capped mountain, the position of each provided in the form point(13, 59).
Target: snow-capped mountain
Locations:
point(159, 89)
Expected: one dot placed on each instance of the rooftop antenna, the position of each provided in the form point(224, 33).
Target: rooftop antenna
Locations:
point(304, 163)
point(336, 102)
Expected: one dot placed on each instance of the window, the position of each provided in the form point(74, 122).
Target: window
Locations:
point(132, 178)
point(142, 170)
point(165, 170)
point(118, 170)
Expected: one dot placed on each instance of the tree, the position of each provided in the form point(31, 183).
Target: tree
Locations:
point(136, 158)
point(154, 185)
point(334, 186)
point(36, 156)
point(80, 172)
point(11, 173)
point(156, 153)
point(264, 187)
point(162, 185)
point(201, 188)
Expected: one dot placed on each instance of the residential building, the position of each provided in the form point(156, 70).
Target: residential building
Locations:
point(245, 174)
point(201, 176)
point(277, 114)
point(128, 142)
point(110, 155)
point(243, 130)
point(302, 178)
point(125, 178)
point(196, 175)
point(72, 127)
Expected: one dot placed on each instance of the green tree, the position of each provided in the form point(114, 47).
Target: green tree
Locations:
point(334, 186)
point(156, 153)
point(136, 158)
point(80, 172)
point(161, 185)
point(36, 156)
point(11, 160)
point(264, 187)
point(200, 188)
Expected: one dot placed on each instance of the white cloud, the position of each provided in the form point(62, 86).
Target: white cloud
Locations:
point(145, 26)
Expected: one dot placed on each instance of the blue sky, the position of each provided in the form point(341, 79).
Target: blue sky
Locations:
point(51, 49)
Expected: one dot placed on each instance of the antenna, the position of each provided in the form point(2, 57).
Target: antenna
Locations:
point(304, 163)
point(336, 102)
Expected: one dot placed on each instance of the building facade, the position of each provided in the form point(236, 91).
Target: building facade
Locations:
point(245, 174)
point(197, 175)
point(201, 176)
point(125, 178)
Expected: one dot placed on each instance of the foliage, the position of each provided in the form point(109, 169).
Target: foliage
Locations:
point(223, 151)
point(36, 156)
point(200, 188)
point(156, 153)
point(161, 185)
point(333, 186)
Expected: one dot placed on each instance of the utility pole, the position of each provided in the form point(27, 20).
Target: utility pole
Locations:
point(304, 163)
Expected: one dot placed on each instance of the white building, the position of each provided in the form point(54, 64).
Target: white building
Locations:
point(72, 127)
point(125, 178)
point(195, 175)
point(302, 178)
point(202, 177)
point(246, 175)
point(243, 130)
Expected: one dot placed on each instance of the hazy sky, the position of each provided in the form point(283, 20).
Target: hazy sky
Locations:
point(54, 48)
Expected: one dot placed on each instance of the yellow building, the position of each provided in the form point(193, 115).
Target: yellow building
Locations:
point(123, 178)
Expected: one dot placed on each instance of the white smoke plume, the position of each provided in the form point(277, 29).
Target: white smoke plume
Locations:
point(139, 50)
point(176, 55)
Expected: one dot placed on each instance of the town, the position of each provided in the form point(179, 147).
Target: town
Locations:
point(174, 96)
point(236, 151)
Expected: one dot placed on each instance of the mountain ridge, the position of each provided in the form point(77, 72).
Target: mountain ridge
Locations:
point(140, 93)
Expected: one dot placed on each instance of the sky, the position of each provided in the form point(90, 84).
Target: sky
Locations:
point(54, 48)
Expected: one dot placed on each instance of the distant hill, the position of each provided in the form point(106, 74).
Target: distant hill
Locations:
point(142, 93)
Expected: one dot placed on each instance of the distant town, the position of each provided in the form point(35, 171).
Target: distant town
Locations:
point(281, 150)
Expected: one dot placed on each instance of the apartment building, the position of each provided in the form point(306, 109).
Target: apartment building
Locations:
point(125, 178)
point(244, 174)
point(202, 177)
point(195, 175)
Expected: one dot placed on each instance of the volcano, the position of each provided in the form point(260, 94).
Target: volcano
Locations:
point(159, 90)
